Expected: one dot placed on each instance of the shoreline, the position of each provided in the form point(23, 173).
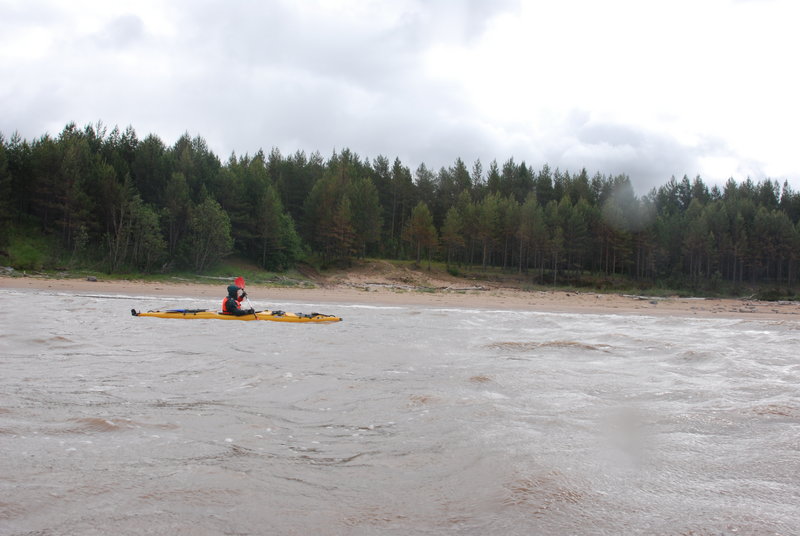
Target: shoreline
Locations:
point(554, 301)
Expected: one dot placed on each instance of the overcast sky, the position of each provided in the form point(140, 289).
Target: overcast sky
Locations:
point(649, 89)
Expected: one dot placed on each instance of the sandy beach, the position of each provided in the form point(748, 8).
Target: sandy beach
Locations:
point(375, 291)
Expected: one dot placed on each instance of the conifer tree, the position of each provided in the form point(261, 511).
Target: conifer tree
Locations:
point(420, 231)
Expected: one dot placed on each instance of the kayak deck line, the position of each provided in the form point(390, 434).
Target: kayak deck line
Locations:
point(272, 316)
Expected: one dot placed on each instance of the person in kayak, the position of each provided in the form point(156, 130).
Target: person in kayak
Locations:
point(232, 304)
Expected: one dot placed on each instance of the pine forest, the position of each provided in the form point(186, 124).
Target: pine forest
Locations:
point(108, 199)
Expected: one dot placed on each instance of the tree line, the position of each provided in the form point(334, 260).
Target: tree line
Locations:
point(142, 205)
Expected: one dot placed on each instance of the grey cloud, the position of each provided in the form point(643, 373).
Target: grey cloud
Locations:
point(249, 76)
point(327, 84)
point(459, 20)
point(272, 36)
point(259, 74)
point(329, 114)
point(121, 32)
point(648, 157)
point(368, 53)
point(30, 14)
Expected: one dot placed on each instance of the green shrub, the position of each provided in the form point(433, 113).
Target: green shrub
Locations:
point(26, 257)
point(775, 294)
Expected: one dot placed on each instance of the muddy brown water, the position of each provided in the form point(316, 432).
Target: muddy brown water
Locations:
point(398, 420)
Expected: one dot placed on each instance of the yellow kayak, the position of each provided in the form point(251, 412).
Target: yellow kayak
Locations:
point(272, 316)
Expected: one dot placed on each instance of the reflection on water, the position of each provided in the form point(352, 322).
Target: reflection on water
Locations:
point(395, 421)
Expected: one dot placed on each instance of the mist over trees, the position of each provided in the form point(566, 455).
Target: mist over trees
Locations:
point(138, 204)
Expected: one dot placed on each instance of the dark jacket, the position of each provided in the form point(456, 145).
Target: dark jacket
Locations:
point(231, 305)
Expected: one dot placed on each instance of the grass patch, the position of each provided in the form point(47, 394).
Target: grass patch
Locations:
point(234, 266)
point(28, 252)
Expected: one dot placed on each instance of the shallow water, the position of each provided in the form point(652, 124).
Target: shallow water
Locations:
point(398, 420)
